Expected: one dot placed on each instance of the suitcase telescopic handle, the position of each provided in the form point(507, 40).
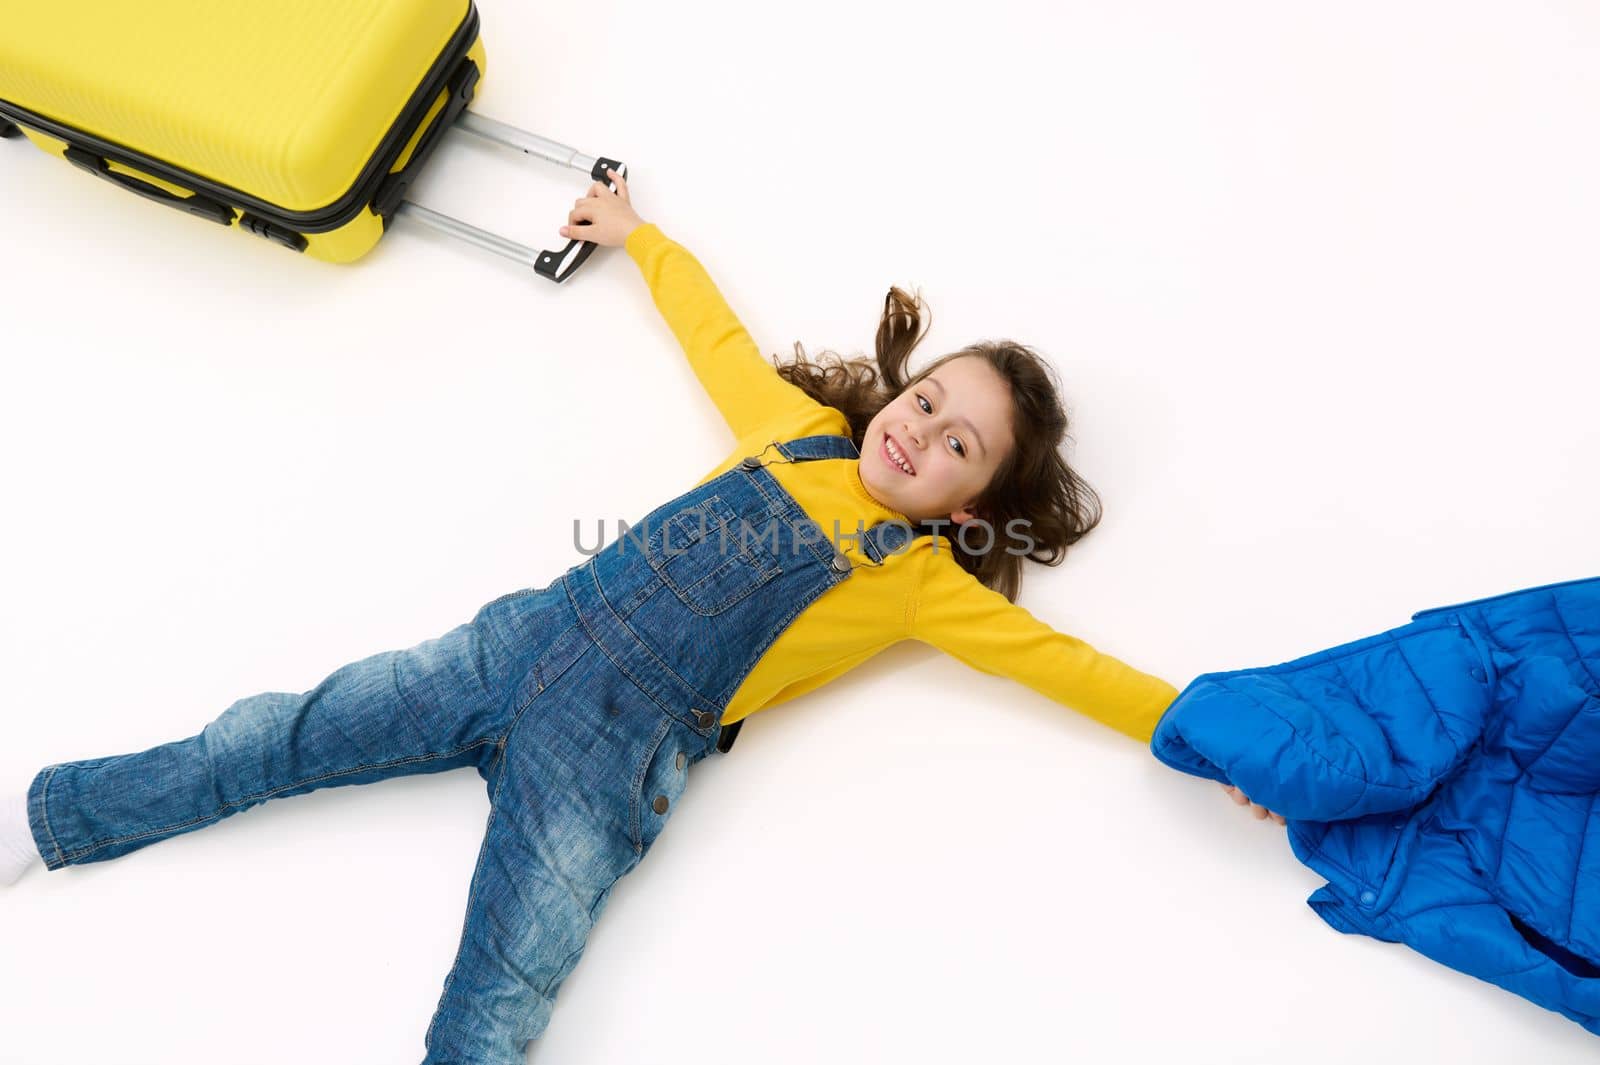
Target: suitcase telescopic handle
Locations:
point(194, 204)
point(554, 265)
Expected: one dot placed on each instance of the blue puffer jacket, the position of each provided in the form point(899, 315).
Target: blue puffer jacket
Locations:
point(1442, 776)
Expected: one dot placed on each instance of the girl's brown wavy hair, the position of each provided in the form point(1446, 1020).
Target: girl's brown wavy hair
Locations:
point(1034, 482)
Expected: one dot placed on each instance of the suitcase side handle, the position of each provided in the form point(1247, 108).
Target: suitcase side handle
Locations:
point(462, 86)
point(554, 265)
point(194, 204)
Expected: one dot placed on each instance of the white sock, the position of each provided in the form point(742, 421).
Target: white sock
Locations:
point(17, 850)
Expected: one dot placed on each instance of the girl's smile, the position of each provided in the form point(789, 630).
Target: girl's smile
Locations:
point(895, 455)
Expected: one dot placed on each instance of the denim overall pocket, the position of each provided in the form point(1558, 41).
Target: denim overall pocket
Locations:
point(658, 783)
point(709, 557)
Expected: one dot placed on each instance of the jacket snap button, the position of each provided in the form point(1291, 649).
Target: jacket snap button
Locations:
point(660, 805)
point(1367, 897)
point(1477, 674)
point(751, 462)
point(682, 758)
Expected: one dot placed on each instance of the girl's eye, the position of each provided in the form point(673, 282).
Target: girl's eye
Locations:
point(927, 408)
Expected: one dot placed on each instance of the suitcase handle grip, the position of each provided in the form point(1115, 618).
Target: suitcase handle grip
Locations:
point(560, 265)
point(198, 205)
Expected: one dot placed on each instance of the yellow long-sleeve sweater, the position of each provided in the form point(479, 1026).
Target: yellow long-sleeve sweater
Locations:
point(919, 594)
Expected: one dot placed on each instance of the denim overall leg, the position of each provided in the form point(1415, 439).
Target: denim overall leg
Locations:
point(442, 704)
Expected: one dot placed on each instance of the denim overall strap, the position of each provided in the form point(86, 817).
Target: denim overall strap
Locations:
point(825, 446)
point(887, 538)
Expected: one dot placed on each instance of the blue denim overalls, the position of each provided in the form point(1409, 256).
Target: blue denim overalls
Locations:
point(582, 704)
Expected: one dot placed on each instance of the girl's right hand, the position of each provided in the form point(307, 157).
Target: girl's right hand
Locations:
point(1261, 812)
point(610, 215)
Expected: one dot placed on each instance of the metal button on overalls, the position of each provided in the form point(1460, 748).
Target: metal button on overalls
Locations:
point(660, 805)
point(840, 561)
point(705, 717)
point(752, 462)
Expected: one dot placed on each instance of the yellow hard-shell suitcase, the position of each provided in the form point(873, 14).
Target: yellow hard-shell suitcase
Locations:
point(300, 121)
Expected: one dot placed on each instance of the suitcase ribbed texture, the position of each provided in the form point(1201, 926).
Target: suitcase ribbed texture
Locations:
point(286, 100)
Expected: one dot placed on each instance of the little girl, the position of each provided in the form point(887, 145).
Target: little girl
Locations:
point(859, 507)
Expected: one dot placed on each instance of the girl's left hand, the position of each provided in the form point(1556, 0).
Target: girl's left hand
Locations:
point(1261, 812)
point(602, 216)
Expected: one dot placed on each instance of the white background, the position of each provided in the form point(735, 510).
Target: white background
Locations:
point(1320, 280)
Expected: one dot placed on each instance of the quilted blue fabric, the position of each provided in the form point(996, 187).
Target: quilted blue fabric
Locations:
point(1442, 776)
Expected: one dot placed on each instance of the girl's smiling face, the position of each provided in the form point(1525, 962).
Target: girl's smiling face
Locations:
point(934, 448)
